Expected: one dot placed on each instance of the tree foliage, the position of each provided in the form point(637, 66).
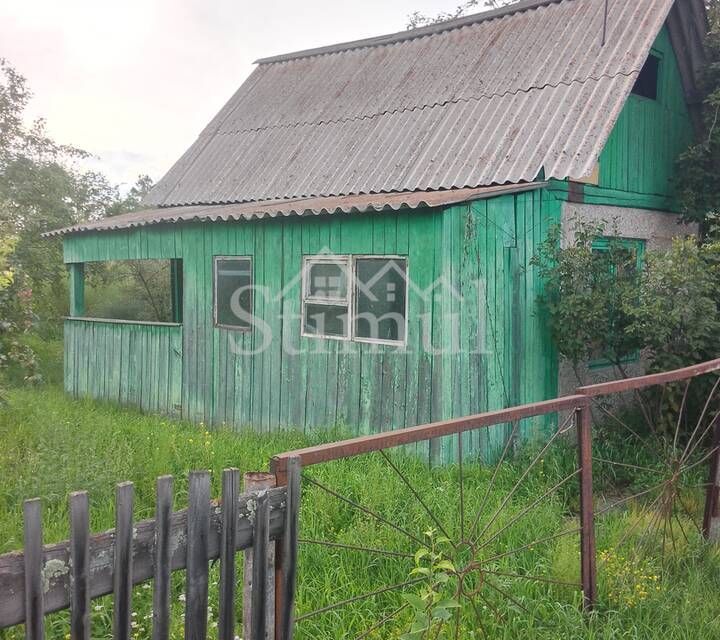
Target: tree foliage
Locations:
point(600, 305)
point(585, 295)
point(675, 311)
point(698, 168)
point(43, 186)
point(418, 19)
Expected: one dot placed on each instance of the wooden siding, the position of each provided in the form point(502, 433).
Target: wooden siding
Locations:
point(504, 356)
point(638, 162)
point(640, 154)
point(123, 362)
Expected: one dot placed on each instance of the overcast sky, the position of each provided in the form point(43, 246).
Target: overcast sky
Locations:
point(134, 81)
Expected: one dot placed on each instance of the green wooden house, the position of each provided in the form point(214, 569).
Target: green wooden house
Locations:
point(350, 237)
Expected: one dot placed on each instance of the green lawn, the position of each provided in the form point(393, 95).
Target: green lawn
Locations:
point(52, 445)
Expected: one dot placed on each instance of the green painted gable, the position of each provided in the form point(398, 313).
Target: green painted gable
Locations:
point(650, 134)
point(637, 164)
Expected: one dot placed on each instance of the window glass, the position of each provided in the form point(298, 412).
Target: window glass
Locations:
point(380, 299)
point(326, 308)
point(327, 280)
point(326, 320)
point(233, 292)
point(355, 298)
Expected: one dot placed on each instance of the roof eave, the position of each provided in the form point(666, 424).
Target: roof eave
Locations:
point(331, 205)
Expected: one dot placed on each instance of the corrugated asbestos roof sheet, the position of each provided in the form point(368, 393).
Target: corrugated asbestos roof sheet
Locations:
point(488, 99)
point(304, 207)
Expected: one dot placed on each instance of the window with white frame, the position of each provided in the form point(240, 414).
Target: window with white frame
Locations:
point(362, 298)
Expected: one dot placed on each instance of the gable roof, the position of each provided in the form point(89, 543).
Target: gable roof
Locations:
point(482, 100)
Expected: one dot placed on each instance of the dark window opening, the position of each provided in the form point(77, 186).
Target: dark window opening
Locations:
point(380, 299)
point(233, 293)
point(134, 290)
point(647, 83)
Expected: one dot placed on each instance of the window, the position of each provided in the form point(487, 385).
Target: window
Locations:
point(233, 294)
point(634, 247)
point(627, 265)
point(380, 300)
point(647, 83)
point(362, 298)
point(326, 297)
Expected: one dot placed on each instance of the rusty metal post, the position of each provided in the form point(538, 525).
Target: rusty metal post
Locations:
point(711, 521)
point(258, 482)
point(588, 567)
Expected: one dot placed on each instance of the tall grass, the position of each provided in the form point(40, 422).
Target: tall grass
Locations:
point(52, 445)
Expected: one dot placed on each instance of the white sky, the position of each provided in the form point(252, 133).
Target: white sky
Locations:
point(134, 81)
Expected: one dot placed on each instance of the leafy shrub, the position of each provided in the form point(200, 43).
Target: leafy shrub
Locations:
point(600, 304)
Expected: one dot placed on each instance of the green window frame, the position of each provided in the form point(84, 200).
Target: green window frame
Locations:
point(631, 244)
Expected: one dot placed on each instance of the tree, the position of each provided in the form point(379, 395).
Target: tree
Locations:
point(41, 188)
point(14, 315)
point(417, 19)
point(133, 201)
point(675, 311)
point(698, 168)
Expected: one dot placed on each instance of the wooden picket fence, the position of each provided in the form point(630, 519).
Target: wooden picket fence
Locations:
point(263, 523)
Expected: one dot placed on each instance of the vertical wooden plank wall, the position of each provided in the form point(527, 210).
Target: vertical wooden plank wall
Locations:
point(446, 369)
point(135, 364)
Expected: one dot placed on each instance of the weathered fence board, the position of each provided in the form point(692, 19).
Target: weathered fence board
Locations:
point(56, 557)
point(226, 615)
point(259, 482)
point(161, 586)
point(123, 565)
point(34, 624)
point(288, 565)
point(79, 566)
point(198, 530)
point(261, 543)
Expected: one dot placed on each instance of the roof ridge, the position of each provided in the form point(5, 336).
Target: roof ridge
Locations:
point(412, 34)
point(432, 105)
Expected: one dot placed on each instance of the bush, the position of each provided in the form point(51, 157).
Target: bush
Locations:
point(675, 310)
point(599, 304)
point(586, 294)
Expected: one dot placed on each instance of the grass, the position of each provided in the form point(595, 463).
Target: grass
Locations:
point(52, 445)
